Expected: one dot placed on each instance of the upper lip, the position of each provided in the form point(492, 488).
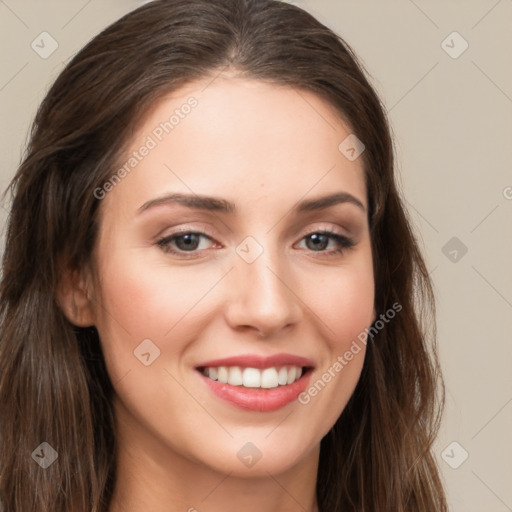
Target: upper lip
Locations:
point(257, 361)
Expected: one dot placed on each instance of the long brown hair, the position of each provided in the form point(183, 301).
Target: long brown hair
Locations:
point(54, 386)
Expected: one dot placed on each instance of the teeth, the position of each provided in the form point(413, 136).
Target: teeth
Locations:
point(282, 377)
point(269, 378)
point(254, 377)
point(222, 374)
point(291, 374)
point(235, 376)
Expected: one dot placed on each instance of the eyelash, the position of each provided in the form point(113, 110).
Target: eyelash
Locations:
point(343, 242)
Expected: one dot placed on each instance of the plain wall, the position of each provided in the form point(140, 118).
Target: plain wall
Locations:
point(452, 121)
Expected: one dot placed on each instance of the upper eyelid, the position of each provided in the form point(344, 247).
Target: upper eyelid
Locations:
point(203, 232)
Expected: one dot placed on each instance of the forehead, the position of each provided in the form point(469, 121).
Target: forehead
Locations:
point(242, 139)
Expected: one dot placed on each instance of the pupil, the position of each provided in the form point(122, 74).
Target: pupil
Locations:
point(190, 241)
point(317, 239)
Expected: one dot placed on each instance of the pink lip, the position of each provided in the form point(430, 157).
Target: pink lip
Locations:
point(260, 362)
point(257, 399)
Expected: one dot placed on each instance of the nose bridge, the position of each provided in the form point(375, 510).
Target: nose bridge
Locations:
point(263, 289)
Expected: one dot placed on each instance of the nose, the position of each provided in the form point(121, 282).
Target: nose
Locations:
point(262, 296)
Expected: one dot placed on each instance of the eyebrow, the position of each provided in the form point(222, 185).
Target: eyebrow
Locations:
point(217, 204)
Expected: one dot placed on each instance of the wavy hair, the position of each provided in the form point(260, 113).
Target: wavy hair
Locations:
point(54, 386)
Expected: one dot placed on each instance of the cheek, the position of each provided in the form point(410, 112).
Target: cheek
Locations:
point(150, 300)
point(344, 302)
point(346, 309)
point(140, 301)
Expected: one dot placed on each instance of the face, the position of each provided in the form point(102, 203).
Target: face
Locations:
point(219, 318)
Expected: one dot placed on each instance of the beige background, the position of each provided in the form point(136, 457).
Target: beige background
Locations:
point(452, 119)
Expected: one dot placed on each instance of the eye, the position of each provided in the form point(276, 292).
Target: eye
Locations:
point(185, 242)
point(190, 242)
point(319, 241)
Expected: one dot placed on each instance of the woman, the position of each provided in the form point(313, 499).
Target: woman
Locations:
point(211, 296)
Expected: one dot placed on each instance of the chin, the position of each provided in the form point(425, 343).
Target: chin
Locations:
point(258, 455)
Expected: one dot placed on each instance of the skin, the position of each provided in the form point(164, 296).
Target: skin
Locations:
point(263, 147)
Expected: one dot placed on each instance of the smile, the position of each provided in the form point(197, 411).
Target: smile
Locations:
point(253, 377)
point(257, 383)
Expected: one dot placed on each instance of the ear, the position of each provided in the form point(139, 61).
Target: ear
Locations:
point(74, 294)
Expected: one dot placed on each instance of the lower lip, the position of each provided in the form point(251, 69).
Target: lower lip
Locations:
point(258, 399)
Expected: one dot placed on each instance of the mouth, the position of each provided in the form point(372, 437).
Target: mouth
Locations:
point(257, 383)
point(267, 378)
